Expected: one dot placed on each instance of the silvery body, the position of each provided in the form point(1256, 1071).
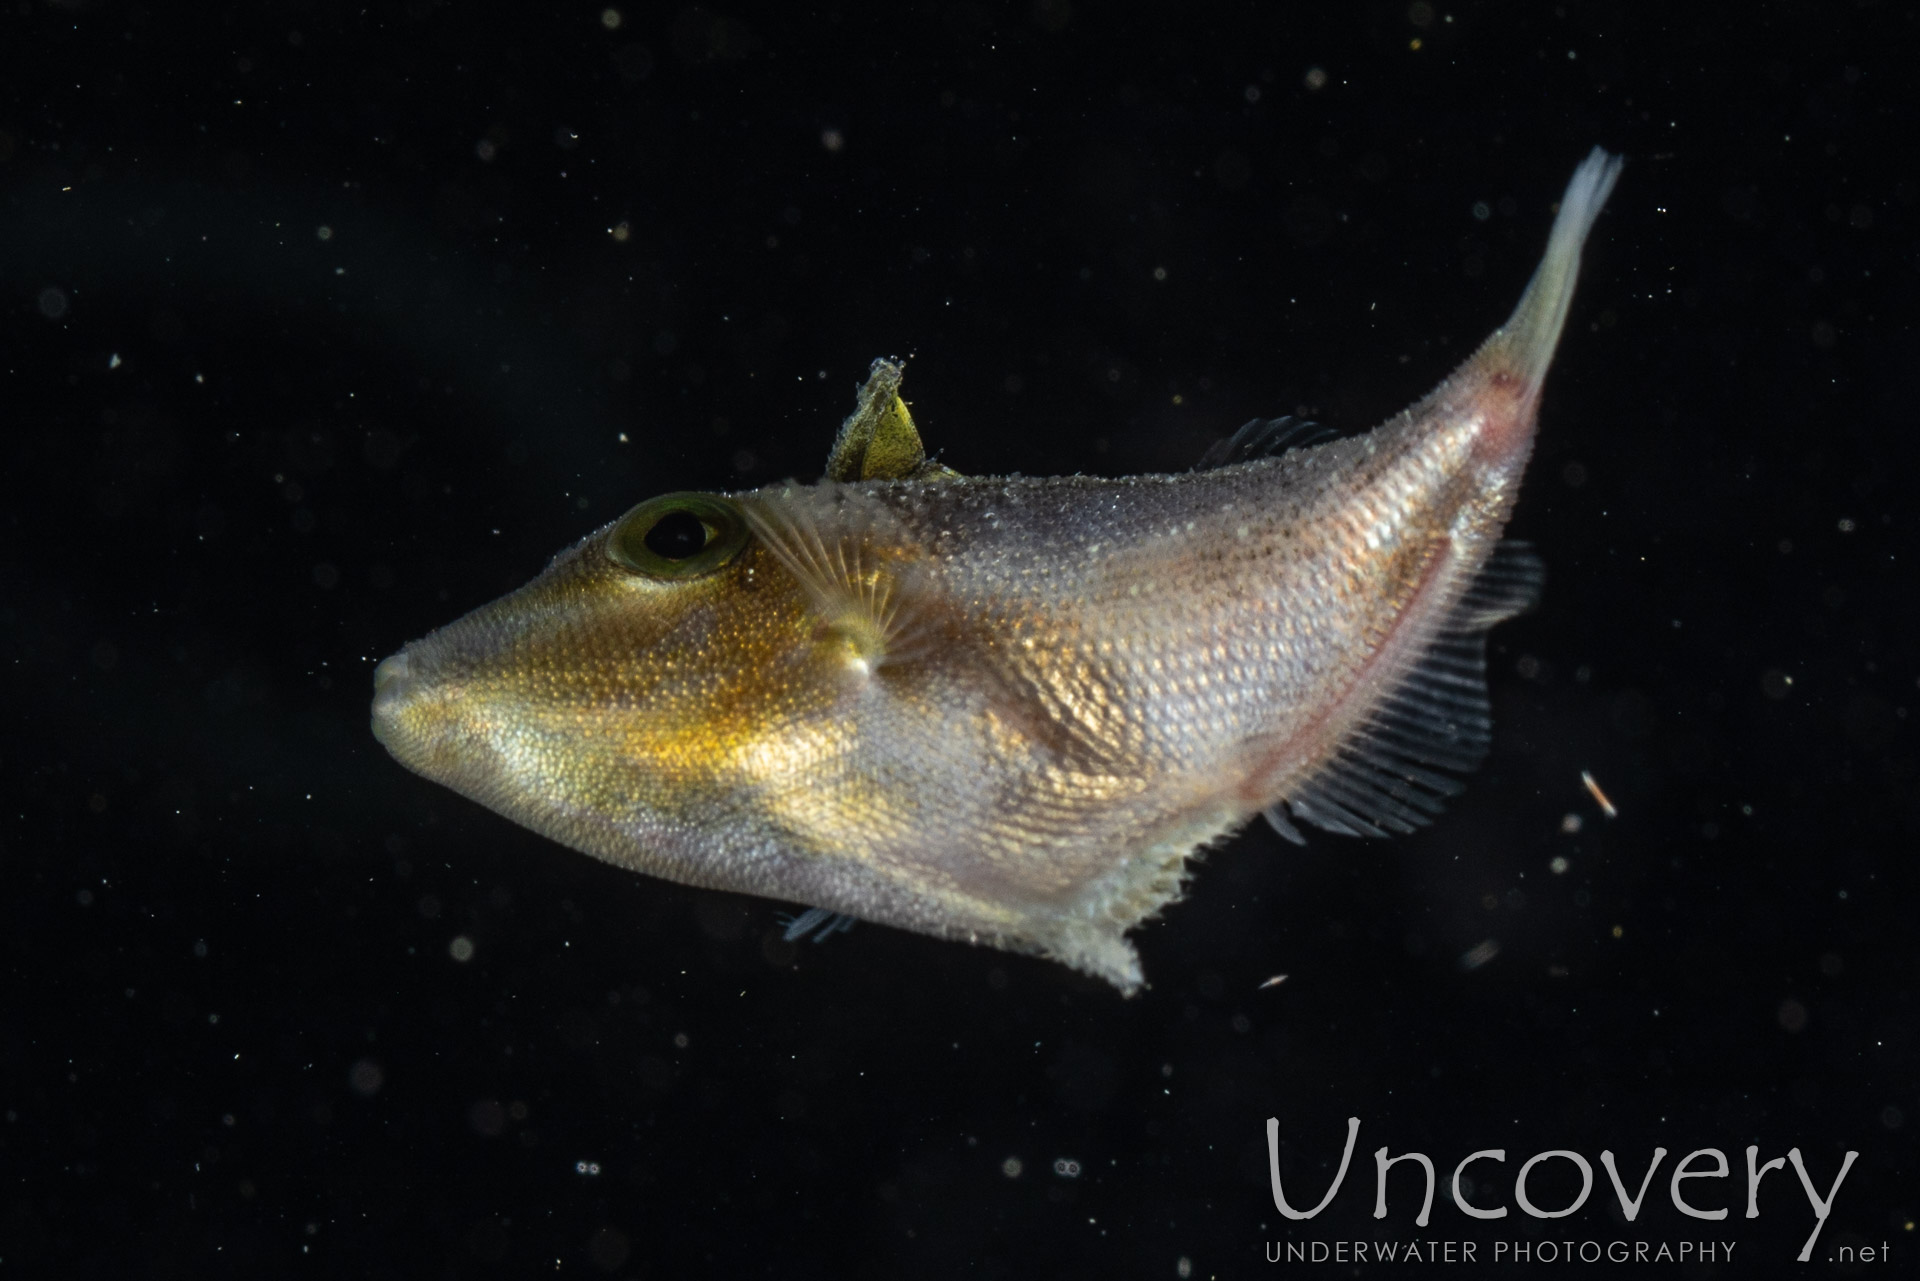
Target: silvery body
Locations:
point(1010, 710)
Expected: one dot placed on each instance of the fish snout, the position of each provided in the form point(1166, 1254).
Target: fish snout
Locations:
point(393, 671)
point(399, 686)
point(426, 715)
point(392, 681)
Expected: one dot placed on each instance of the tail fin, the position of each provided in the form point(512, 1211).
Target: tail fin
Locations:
point(1523, 347)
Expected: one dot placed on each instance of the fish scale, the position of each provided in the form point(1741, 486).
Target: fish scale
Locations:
point(1010, 710)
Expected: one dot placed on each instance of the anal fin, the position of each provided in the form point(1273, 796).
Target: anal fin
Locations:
point(1276, 816)
point(1395, 773)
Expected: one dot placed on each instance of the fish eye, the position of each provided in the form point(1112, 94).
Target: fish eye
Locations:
point(678, 536)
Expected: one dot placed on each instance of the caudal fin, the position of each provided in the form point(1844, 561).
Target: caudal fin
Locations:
point(1523, 347)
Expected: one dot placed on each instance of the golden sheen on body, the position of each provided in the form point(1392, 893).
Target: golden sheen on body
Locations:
point(1009, 710)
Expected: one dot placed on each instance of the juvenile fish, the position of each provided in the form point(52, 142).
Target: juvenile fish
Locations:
point(1009, 710)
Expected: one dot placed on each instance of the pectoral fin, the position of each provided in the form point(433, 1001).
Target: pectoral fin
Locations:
point(840, 545)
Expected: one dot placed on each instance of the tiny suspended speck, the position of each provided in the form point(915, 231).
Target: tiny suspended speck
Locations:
point(1593, 788)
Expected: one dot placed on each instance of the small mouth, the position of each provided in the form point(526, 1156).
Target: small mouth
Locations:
point(392, 682)
point(391, 669)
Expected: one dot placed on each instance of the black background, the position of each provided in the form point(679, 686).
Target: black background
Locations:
point(321, 325)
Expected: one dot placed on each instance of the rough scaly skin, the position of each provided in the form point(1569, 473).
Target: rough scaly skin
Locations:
point(1041, 695)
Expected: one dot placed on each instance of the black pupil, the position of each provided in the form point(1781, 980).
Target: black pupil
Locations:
point(676, 536)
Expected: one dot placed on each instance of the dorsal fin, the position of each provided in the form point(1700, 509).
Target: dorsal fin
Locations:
point(1395, 773)
point(860, 600)
point(879, 441)
point(1264, 436)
